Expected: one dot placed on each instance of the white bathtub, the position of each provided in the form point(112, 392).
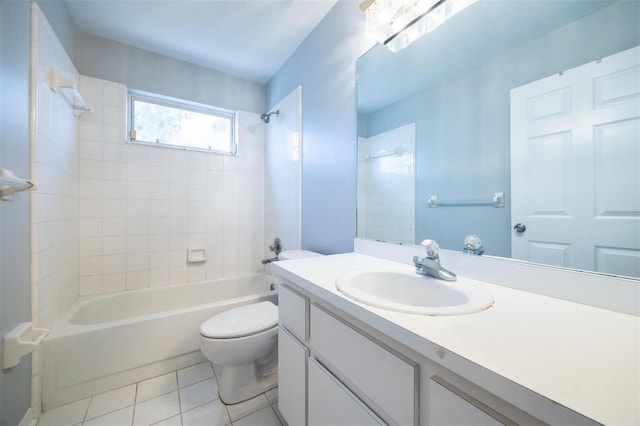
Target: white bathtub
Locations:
point(107, 341)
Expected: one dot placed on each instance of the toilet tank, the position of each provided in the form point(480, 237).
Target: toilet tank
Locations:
point(296, 254)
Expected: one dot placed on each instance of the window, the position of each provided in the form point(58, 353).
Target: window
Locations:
point(168, 122)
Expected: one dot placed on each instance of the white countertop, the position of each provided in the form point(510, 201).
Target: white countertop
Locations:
point(586, 359)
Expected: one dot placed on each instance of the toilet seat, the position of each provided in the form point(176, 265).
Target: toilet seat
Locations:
point(243, 321)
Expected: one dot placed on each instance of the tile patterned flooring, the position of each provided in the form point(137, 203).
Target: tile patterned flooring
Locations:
point(187, 397)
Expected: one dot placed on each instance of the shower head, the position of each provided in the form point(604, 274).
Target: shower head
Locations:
point(265, 117)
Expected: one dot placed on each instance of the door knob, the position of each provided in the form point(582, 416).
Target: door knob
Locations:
point(520, 228)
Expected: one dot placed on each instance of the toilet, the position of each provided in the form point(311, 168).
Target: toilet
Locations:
point(243, 341)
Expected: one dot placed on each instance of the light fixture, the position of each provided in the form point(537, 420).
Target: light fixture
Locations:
point(398, 23)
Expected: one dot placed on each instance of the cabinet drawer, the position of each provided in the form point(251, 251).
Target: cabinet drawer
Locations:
point(330, 403)
point(455, 401)
point(449, 406)
point(292, 312)
point(292, 378)
point(383, 378)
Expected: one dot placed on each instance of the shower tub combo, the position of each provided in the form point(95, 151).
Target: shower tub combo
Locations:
point(108, 341)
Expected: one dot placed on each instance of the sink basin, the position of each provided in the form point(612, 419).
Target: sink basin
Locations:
point(402, 290)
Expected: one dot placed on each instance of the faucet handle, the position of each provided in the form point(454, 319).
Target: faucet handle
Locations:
point(430, 249)
point(276, 247)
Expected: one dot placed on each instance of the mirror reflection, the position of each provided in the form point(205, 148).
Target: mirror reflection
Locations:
point(517, 121)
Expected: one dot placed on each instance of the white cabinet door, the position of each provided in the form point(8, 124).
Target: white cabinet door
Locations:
point(292, 382)
point(292, 312)
point(331, 403)
point(575, 167)
point(452, 407)
point(387, 380)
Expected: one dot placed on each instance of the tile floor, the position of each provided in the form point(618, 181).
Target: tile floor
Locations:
point(187, 397)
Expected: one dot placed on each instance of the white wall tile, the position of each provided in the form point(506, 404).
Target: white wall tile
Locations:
point(137, 262)
point(158, 277)
point(114, 226)
point(90, 227)
point(90, 265)
point(114, 152)
point(91, 246)
point(159, 259)
point(142, 206)
point(138, 208)
point(55, 225)
point(114, 207)
point(137, 279)
point(159, 173)
point(90, 188)
point(138, 244)
point(197, 272)
point(114, 115)
point(112, 96)
point(112, 264)
point(113, 245)
point(159, 225)
point(91, 131)
point(160, 157)
point(114, 133)
point(137, 226)
point(113, 282)
point(114, 171)
point(90, 207)
point(90, 150)
point(138, 190)
point(159, 243)
point(159, 207)
point(178, 275)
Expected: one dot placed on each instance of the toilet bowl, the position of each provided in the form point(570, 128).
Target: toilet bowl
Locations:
point(244, 341)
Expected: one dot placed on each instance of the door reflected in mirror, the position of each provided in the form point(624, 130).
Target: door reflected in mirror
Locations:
point(566, 157)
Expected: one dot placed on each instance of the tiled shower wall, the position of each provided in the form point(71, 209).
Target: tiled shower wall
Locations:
point(54, 168)
point(141, 207)
point(386, 185)
point(282, 172)
point(54, 204)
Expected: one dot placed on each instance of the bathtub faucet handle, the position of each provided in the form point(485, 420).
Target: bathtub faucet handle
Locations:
point(276, 246)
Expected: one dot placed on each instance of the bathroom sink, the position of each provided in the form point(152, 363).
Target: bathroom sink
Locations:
point(402, 290)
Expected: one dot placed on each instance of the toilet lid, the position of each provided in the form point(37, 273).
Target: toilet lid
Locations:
point(242, 321)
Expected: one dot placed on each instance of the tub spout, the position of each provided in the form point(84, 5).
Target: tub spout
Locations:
point(273, 259)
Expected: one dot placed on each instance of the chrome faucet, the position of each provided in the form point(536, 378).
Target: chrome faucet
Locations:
point(473, 245)
point(276, 247)
point(430, 263)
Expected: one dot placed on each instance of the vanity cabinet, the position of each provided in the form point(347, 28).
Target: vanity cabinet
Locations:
point(336, 370)
point(292, 356)
point(292, 386)
point(449, 405)
point(331, 373)
point(376, 373)
point(332, 403)
point(506, 365)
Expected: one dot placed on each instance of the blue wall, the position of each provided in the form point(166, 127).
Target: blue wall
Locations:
point(463, 125)
point(325, 66)
point(151, 72)
point(62, 23)
point(143, 70)
point(15, 282)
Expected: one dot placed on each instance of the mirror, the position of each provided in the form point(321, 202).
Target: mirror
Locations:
point(451, 93)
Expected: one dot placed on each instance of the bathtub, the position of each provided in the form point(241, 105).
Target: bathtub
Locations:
point(108, 341)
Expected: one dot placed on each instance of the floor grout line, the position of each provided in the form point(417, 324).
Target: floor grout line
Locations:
point(181, 411)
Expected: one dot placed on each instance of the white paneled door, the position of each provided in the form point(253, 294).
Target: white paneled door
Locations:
point(575, 167)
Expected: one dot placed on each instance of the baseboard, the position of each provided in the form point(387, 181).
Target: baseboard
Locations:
point(28, 419)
